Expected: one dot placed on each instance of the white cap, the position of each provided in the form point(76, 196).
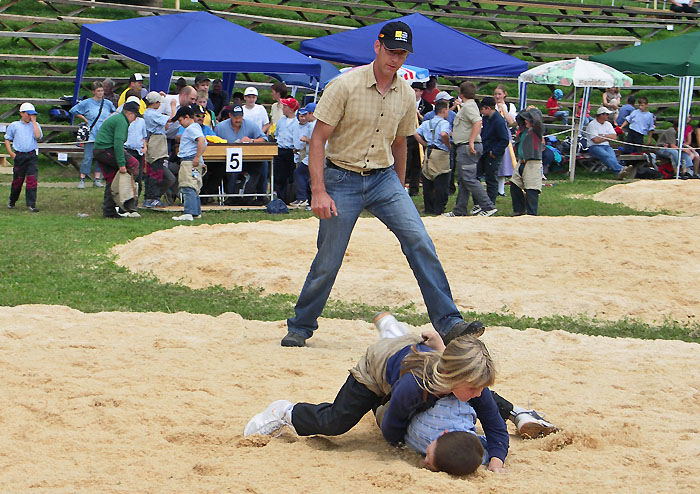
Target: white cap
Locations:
point(154, 97)
point(602, 110)
point(133, 99)
point(250, 90)
point(443, 95)
point(27, 107)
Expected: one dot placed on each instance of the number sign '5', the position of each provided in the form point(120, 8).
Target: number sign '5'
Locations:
point(234, 159)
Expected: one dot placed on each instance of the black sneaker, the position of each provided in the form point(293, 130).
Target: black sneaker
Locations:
point(293, 339)
point(10, 205)
point(462, 328)
point(33, 209)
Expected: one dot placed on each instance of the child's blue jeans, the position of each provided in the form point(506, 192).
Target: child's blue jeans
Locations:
point(191, 200)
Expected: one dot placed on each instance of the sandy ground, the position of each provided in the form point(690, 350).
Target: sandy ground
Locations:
point(152, 403)
point(608, 267)
point(681, 196)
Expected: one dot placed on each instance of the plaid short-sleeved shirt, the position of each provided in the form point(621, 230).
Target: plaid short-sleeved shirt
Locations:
point(366, 122)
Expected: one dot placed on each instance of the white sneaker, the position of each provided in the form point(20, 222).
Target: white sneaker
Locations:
point(490, 212)
point(81, 184)
point(476, 210)
point(299, 204)
point(530, 425)
point(184, 217)
point(449, 214)
point(133, 214)
point(271, 420)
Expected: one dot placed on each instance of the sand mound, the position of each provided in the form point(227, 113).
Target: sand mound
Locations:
point(131, 402)
point(655, 195)
point(608, 267)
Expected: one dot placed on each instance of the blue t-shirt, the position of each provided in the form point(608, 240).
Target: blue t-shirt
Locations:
point(155, 121)
point(188, 141)
point(448, 414)
point(22, 136)
point(450, 117)
point(136, 135)
point(206, 130)
point(284, 132)
point(641, 121)
point(431, 131)
point(90, 108)
point(248, 129)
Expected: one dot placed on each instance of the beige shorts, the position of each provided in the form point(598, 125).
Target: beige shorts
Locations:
point(531, 177)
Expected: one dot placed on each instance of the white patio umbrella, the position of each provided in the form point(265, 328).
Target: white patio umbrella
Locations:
point(579, 73)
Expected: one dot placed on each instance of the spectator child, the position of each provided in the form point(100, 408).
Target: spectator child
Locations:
point(135, 145)
point(556, 110)
point(526, 182)
point(626, 109)
point(434, 136)
point(278, 91)
point(641, 123)
point(495, 138)
point(508, 112)
point(209, 116)
point(302, 180)
point(192, 146)
point(24, 134)
point(283, 163)
point(158, 177)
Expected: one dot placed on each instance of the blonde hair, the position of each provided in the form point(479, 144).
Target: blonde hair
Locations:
point(465, 360)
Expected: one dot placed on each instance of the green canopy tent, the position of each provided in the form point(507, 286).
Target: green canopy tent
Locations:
point(677, 57)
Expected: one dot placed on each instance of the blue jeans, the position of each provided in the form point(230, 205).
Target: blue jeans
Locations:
point(672, 156)
point(606, 154)
point(190, 197)
point(86, 164)
point(385, 197)
point(564, 115)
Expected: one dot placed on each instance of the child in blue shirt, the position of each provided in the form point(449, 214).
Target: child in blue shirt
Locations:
point(302, 180)
point(283, 164)
point(192, 146)
point(434, 136)
point(159, 178)
point(23, 136)
point(641, 122)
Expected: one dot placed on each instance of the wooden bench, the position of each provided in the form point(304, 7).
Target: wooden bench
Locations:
point(536, 38)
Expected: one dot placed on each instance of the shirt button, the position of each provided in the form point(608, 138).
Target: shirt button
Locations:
point(377, 130)
point(381, 115)
point(372, 146)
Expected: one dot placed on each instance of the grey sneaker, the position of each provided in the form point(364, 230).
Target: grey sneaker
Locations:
point(98, 183)
point(293, 339)
point(449, 214)
point(33, 209)
point(530, 425)
point(10, 205)
point(81, 184)
point(462, 328)
point(270, 420)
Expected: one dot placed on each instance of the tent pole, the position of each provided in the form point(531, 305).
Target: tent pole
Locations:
point(686, 95)
point(574, 141)
point(316, 92)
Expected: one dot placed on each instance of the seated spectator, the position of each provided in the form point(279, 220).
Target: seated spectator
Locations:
point(238, 129)
point(598, 132)
point(283, 164)
point(641, 122)
point(587, 118)
point(218, 97)
point(683, 6)
point(612, 100)
point(554, 109)
point(625, 111)
point(669, 141)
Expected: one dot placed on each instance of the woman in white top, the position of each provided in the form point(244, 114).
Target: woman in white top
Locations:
point(508, 112)
point(612, 100)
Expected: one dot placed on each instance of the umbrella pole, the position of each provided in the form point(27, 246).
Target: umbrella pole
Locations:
point(574, 141)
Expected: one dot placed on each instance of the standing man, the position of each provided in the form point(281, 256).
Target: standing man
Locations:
point(365, 116)
point(136, 83)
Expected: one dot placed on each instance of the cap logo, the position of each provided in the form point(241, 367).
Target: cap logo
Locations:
point(401, 36)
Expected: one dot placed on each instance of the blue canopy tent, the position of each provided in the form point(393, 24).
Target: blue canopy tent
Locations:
point(328, 72)
point(436, 47)
point(168, 42)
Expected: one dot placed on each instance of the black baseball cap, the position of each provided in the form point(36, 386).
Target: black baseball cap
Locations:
point(236, 111)
point(132, 107)
point(397, 36)
point(183, 111)
point(200, 78)
point(197, 109)
point(418, 85)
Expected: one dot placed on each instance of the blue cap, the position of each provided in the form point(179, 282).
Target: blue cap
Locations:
point(309, 108)
point(558, 93)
